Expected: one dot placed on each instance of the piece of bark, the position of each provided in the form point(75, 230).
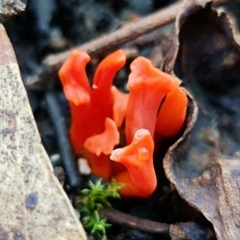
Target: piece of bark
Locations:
point(33, 203)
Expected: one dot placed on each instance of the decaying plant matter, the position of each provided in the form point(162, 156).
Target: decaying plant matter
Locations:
point(208, 62)
point(193, 150)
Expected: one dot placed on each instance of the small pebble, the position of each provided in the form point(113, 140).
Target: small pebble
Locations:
point(83, 166)
point(55, 159)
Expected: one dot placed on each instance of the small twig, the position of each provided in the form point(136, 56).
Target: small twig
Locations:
point(108, 42)
point(56, 117)
point(180, 230)
point(130, 221)
point(128, 32)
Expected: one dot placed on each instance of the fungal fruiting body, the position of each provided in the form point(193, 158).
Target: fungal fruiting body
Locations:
point(92, 108)
point(139, 179)
point(148, 87)
point(155, 106)
point(172, 113)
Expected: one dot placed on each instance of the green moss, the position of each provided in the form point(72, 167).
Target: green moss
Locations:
point(92, 200)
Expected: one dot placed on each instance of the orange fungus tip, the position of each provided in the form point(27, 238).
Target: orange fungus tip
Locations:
point(148, 86)
point(142, 69)
point(102, 99)
point(74, 79)
point(138, 159)
point(107, 69)
point(105, 141)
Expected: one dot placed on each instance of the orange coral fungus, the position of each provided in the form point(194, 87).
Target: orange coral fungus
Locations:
point(98, 115)
point(148, 86)
point(102, 99)
point(91, 106)
point(74, 79)
point(119, 106)
point(172, 113)
point(100, 165)
point(78, 92)
point(140, 180)
point(103, 142)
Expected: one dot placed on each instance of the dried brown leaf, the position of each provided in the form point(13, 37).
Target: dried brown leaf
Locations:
point(33, 203)
point(204, 164)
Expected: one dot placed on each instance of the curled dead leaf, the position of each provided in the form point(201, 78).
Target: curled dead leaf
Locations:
point(204, 165)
